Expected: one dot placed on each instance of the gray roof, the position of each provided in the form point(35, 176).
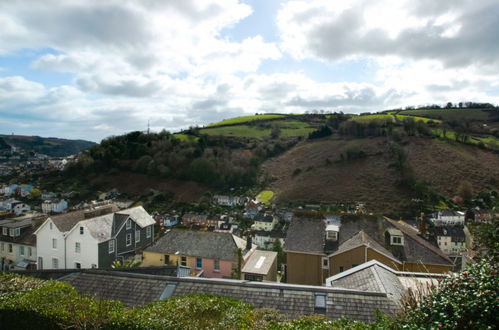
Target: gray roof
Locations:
point(139, 215)
point(199, 244)
point(260, 262)
point(64, 222)
point(291, 300)
point(306, 235)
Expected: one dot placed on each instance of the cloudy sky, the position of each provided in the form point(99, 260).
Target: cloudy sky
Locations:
point(89, 69)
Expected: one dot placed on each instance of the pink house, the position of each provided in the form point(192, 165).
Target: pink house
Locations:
point(215, 254)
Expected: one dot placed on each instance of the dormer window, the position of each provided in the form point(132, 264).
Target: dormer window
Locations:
point(396, 237)
point(5, 231)
point(332, 232)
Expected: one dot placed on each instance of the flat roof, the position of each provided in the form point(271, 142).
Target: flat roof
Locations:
point(260, 262)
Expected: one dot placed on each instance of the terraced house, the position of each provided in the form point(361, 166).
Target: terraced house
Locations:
point(93, 238)
point(316, 250)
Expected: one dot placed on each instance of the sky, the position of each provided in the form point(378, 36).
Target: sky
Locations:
point(90, 69)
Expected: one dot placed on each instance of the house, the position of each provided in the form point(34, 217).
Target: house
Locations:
point(448, 218)
point(451, 239)
point(252, 209)
point(23, 190)
point(9, 190)
point(293, 301)
point(54, 206)
point(264, 222)
point(315, 250)
point(229, 200)
point(190, 219)
point(482, 215)
point(20, 208)
point(215, 254)
point(374, 276)
point(266, 239)
point(261, 266)
point(18, 243)
point(93, 238)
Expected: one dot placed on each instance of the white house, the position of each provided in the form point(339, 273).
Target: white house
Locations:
point(54, 206)
point(264, 222)
point(20, 208)
point(448, 218)
point(93, 238)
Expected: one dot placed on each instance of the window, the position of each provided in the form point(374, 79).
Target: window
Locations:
point(199, 263)
point(94, 266)
point(50, 225)
point(111, 246)
point(167, 259)
point(5, 231)
point(55, 263)
point(82, 230)
point(148, 231)
point(216, 265)
point(77, 265)
point(137, 236)
point(128, 224)
point(54, 243)
point(17, 232)
point(21, 250)
point(30, 252)
point(40, 263)
point(128, 239)
point(341, 269)
point(320, 303)
point(397, 240)
point(11, 232)
point(2, 247)
point(183, 261)
point(10, 248)
point(325, 263)
point(77, 247)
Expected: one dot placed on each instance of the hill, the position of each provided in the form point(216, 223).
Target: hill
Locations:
point(48, 146)
point(388, 160)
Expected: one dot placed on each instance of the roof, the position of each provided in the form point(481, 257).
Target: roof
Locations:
point(260, 262)
point(139, 215)
point(374, 276)
point(291, 300)
point(264, 218)
point(362, 239)
point(305, 235)
point(456, 233)
point(204, 244)
point(64, 222)
point(18, 223)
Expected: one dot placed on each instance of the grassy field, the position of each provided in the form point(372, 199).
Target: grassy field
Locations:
point(265, 196)
point(237, 131)
point(245, 119)
point(449, 114)
point(381, 117)
point(402, 117)
point(186, 137)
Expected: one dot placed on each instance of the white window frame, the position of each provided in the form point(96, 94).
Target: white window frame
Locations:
point(77, 247)
point(21, 250)
point(50, 225)
point(30, 251)
point(137, 236)
point(325, 263)
point(128, 239)
point(128, 223)
point(148, 231)
point(11, 232)
point(5, 231)
point(111, 246)
point(216, 265)
point(17, 232)
point(183, 261)
point(54, 243)
point(82, 230)
point(10, 248)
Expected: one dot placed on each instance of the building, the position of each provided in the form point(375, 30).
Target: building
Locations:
point(291, 300)
point(17, 244)
point(448, 218)
point(54, 206)
point(229, 200)
point(264, 222)
point(215, 254)
point(93, 238)
point(261, 266)
point(202, 220)
point(451, 240)
point(266, 239)
point(315, 250)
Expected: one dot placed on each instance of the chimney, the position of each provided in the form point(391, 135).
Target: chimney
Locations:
point(422, 226)
point(249, 241)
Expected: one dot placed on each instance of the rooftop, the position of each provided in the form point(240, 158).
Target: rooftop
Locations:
point(260, 262)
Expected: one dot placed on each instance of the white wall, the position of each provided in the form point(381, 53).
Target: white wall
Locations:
point(89, 254)
point(44, 236)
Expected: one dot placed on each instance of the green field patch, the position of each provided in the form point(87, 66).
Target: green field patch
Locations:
point(423, 119)
point(287, 132)
point(186, 137)
point(367, 118)
point(245, 119)
point(237, 131)
point(289, 124)
point(449, 114)
point(265, 196)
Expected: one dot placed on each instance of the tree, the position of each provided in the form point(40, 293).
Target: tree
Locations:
point(465, 190)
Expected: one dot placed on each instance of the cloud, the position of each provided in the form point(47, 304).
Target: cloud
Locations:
point(446, 31)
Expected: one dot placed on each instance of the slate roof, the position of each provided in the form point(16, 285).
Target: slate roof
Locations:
point(456, 233)
point(204, 244)
point(291, 300)
point(373, 276)
point(260, 262)
point(139, 215)
point(305, 235)
point(64, 222)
